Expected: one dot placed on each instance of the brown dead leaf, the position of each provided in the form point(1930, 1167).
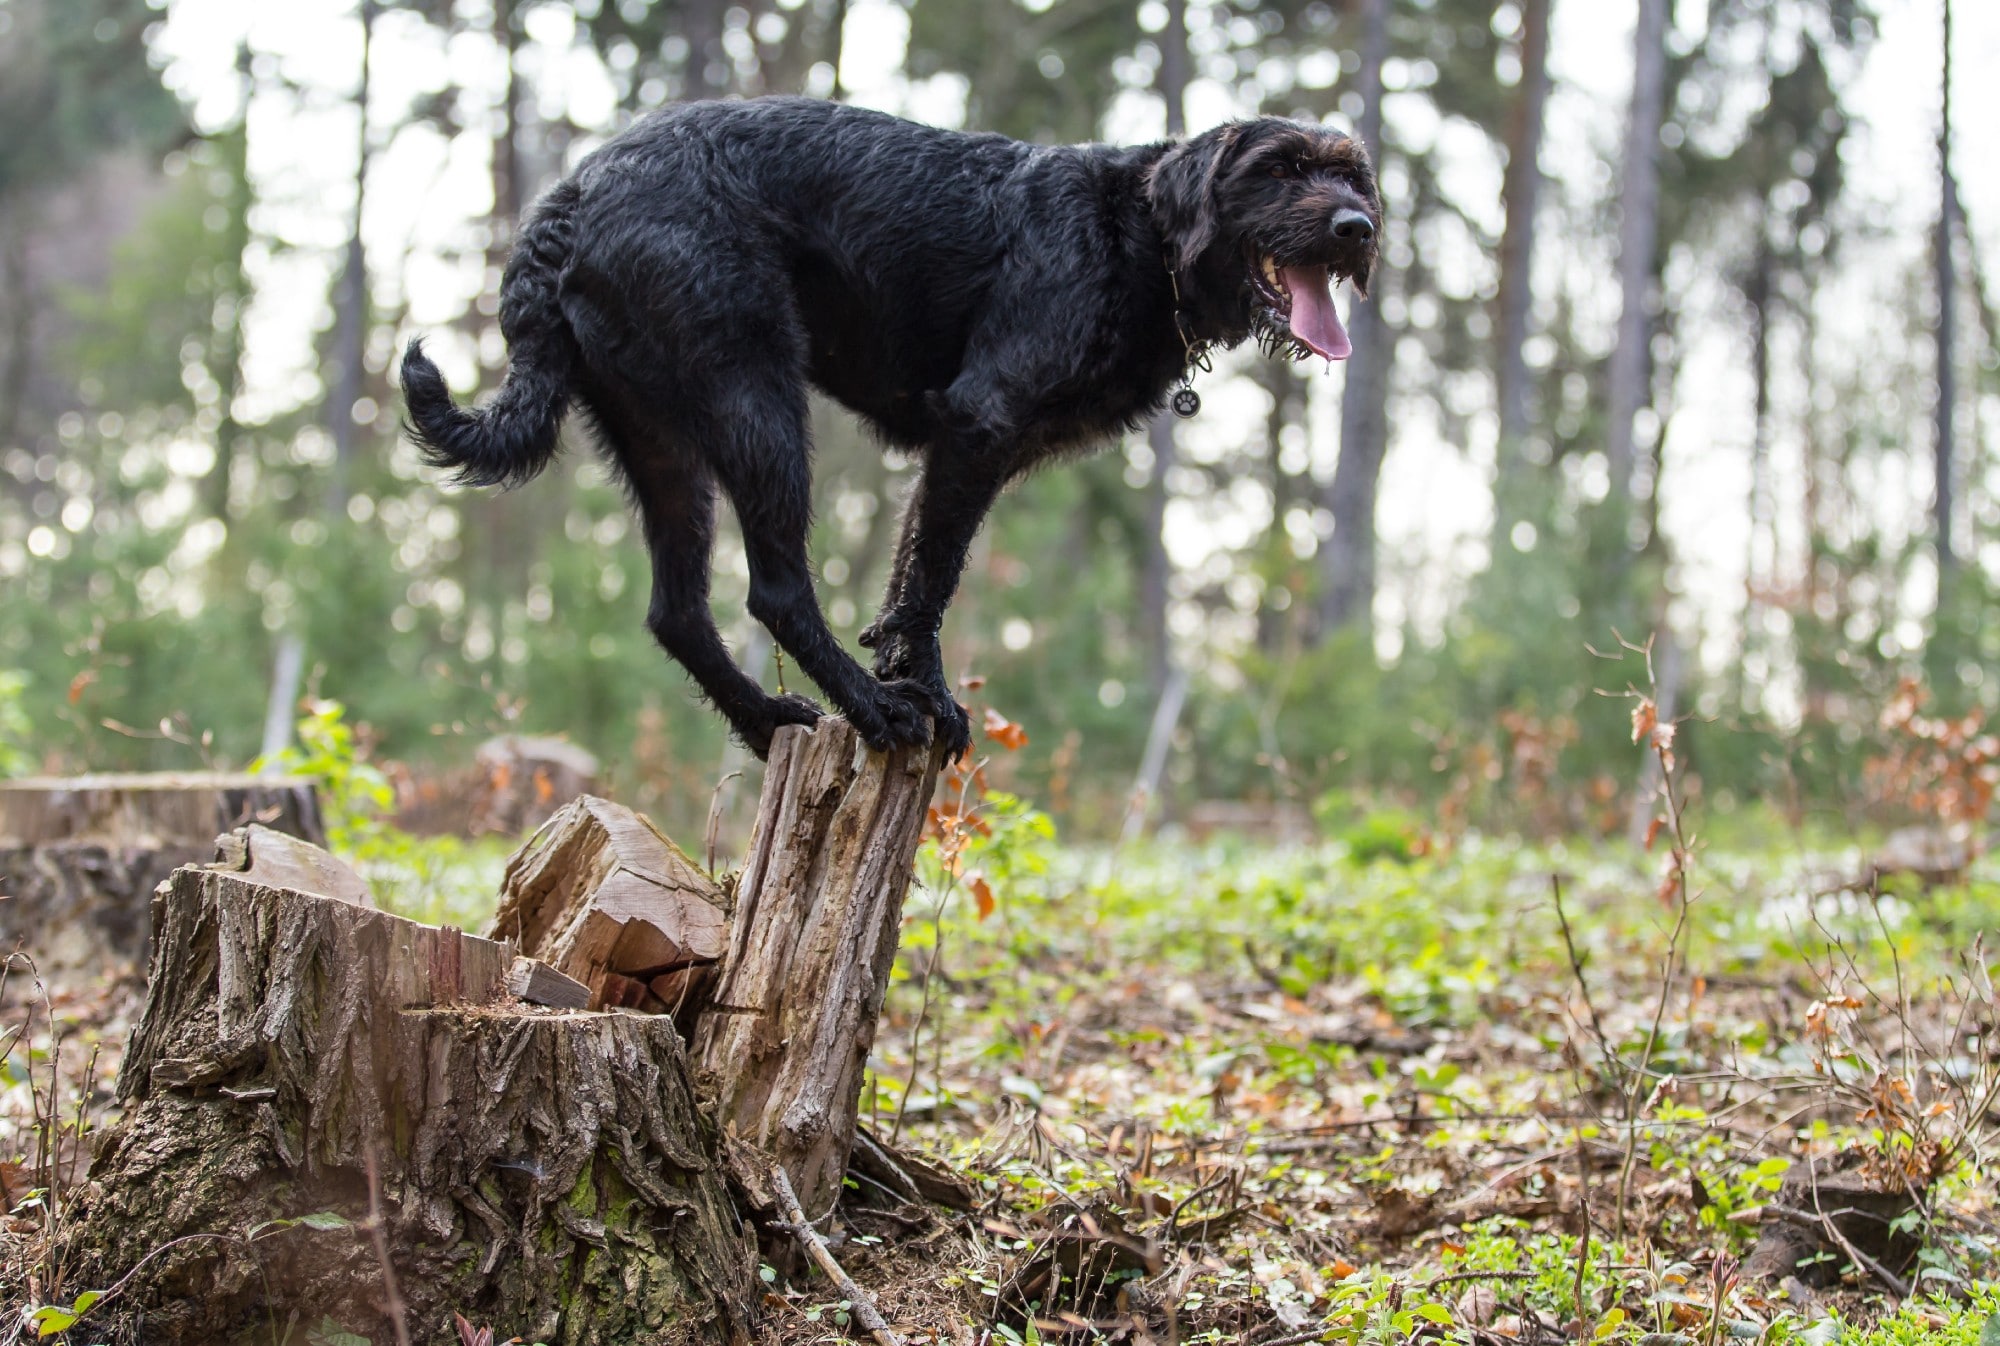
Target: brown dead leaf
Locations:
point(1004, 731)
point(982, 893)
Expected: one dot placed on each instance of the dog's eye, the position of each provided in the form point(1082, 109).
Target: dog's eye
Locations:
point(1281, 170)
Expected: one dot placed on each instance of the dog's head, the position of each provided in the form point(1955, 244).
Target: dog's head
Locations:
point(1261, 220)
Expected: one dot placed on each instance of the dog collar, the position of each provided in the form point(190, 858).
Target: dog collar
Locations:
point(1186, 401)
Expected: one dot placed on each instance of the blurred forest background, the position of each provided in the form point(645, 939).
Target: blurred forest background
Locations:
point(1670, 338)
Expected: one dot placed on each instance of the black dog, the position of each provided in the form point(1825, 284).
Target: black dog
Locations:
point(989, 303)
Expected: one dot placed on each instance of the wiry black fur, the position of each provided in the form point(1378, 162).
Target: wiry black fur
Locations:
point(988, 303)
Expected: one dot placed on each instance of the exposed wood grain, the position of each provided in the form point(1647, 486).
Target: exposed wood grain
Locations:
point(600, 894)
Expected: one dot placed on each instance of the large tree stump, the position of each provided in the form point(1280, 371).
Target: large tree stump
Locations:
point(541, 1172)
point(81, 856)
point(155, 808)
point(818, 906)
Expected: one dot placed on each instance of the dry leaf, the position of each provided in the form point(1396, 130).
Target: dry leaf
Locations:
point(1004, 731)
point(1645, 718)
point(982, 893)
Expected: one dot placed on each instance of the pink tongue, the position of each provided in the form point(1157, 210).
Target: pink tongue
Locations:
point(1313, 318)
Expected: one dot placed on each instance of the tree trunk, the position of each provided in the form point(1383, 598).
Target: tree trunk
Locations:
point(1760, 561)
point(1638, 232)
point(335, 1114)
point(818, 907)
point(702, 26)
point(1947, 340)
point(1522, 190)
point(1156, 567)
point(304, 1063)
point(350, 313)
point(1347, 584)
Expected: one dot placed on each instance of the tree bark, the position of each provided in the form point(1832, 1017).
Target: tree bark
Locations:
point(785, 1043)
point(1947, 339)
point(350, 320)
point(1347, 583)
point(542, 1173)
point(1156, 567)
point(331, 1113)
point(1522, 190)
point(1638, 233)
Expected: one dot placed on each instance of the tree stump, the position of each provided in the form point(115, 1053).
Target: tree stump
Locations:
point(80, 857)
point(335, 1115)
point(785, 1042)
point(523, 780)
point(304, 1061)
point(155, 808)
point(1823, 1215)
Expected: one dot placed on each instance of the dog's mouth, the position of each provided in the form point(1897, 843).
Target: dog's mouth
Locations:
point(1295, 309)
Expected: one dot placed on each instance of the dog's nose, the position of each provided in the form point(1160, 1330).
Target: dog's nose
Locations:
point(1351, 226)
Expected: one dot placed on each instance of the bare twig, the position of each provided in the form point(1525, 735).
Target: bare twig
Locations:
point(1583, 1243)
point(1660, 739)
point(715, 819)
point(392, 1296)
point(1604, 1049)
point(865, 1312)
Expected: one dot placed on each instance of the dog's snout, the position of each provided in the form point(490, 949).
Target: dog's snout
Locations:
point(1352, 226)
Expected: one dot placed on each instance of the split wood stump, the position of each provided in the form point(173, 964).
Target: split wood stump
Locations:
point(80, 856)
point(785, 1042)
point(603, 897)
point(335, 1114)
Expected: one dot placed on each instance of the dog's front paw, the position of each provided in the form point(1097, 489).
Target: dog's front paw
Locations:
point(911, 713)
point(778, 712)
point(951, 726)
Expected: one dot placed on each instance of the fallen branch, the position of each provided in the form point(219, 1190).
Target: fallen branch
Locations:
point(865, 1312)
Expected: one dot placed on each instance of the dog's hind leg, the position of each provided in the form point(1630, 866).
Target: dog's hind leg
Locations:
point(677, 511)
point(764, 464)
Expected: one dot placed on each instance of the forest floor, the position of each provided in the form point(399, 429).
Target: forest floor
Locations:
point(1288, 1094)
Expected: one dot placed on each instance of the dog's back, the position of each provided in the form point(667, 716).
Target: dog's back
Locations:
point(873, 240)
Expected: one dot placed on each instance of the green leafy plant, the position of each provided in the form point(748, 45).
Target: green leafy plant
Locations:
point(15, 727)
point(354, 793)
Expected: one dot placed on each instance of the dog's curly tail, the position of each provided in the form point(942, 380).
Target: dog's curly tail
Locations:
point(514, 437)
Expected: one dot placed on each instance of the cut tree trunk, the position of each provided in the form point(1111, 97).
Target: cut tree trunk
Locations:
point(544, 1173)
point(80, 857)
point(154, 809)
point(818, 906)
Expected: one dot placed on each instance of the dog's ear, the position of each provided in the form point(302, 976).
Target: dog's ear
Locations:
point(1182, 190)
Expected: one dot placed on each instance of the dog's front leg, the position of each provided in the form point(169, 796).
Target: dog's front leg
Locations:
point(951, 501)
